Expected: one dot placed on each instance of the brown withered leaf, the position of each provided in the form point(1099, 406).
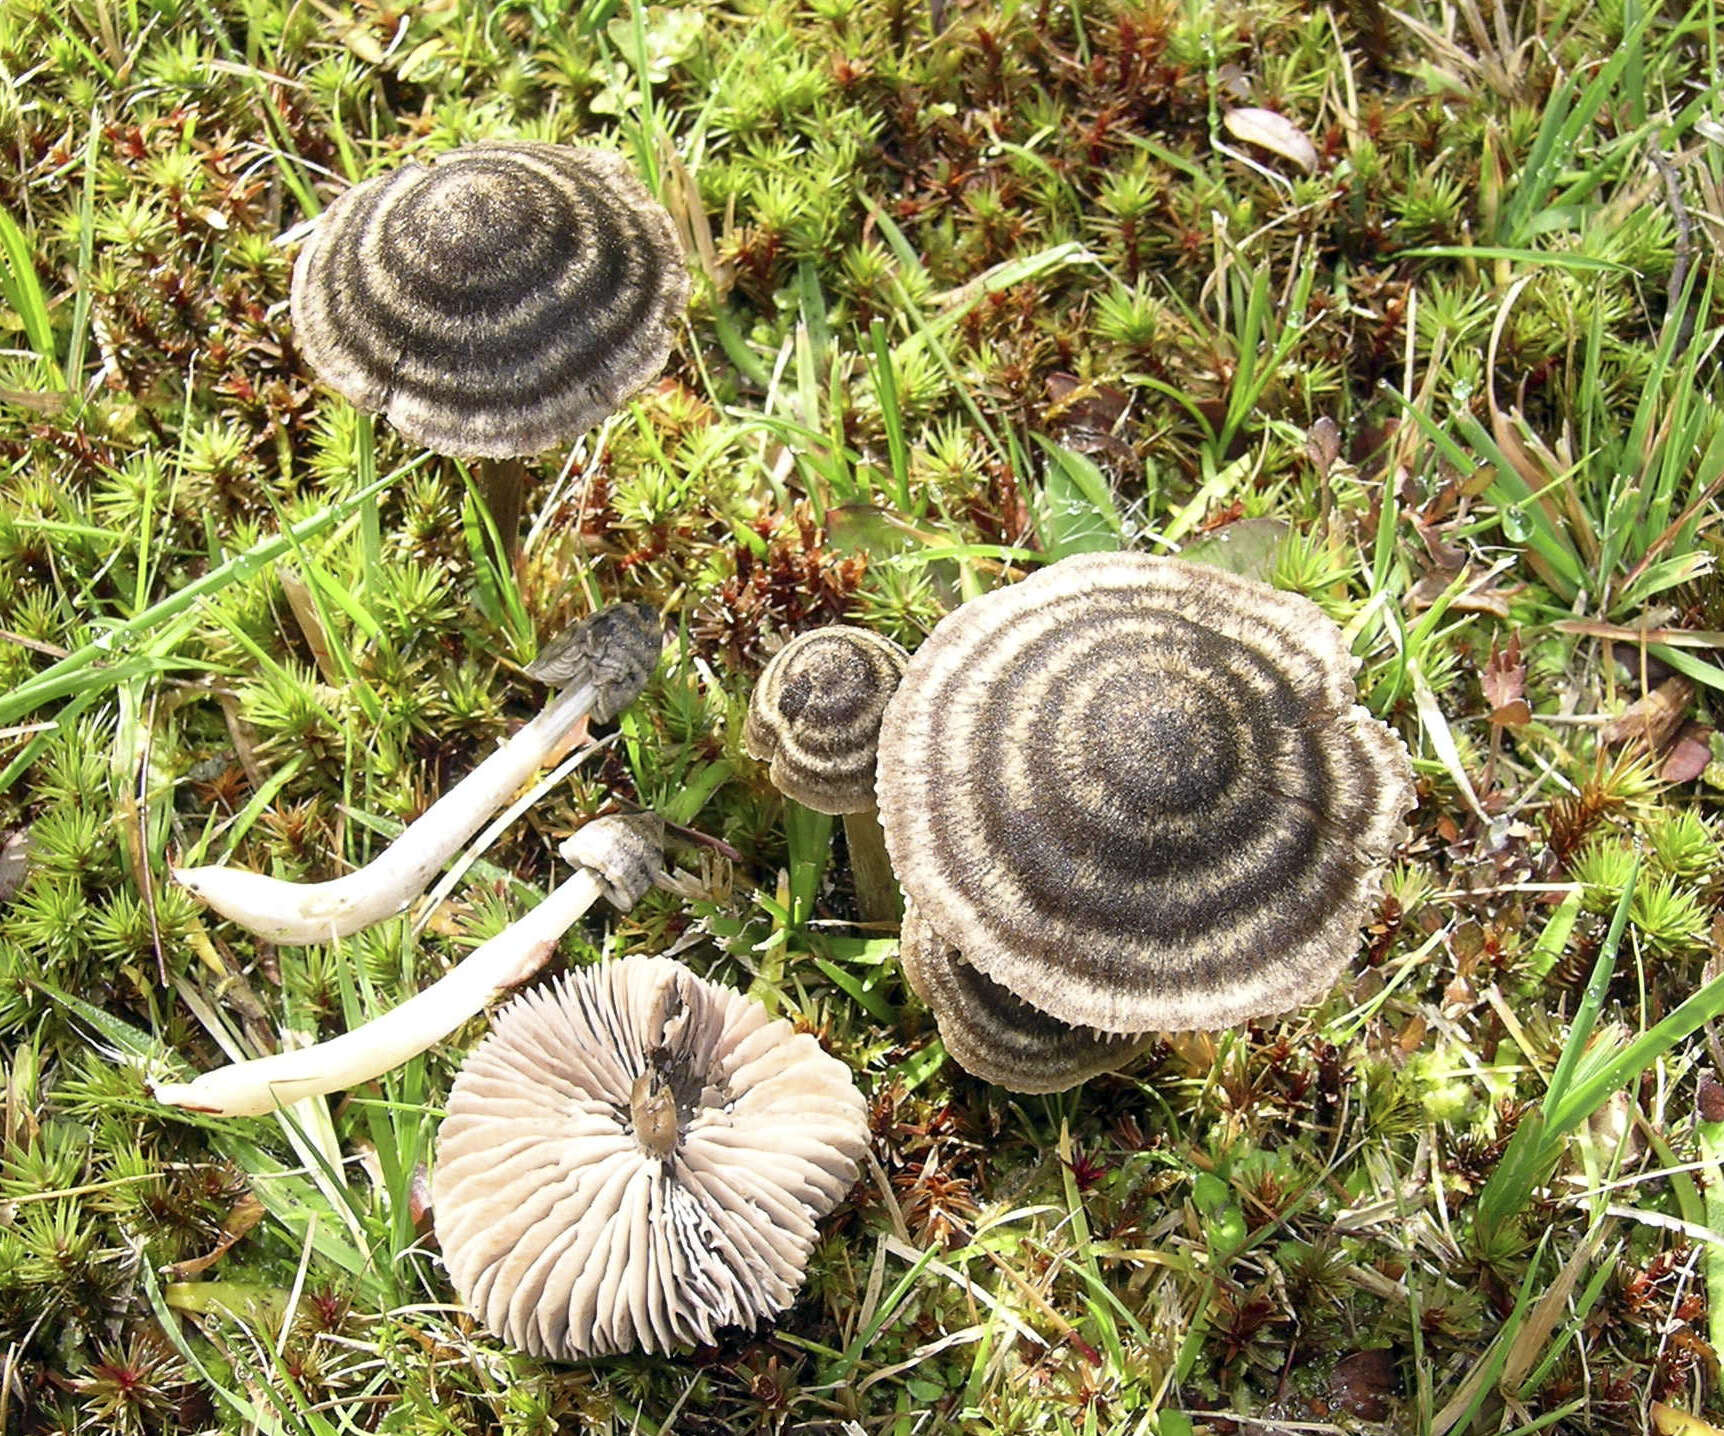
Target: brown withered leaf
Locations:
point(1655, 717)
point(1362, 1383)
point(1088, 415)
point(1709, 1099)
point(1504, 684)
point(1449, 558)
point(247, 1213)
point(1275, 133)
point(1323, 445)
point(14, 861)
point(1074, 401)
point(1688, 755)
point(1485, 596)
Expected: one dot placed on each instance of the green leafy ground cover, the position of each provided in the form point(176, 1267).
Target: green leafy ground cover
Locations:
point(967, 297)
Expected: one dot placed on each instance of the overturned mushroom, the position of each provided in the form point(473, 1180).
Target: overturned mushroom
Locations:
point(493, 303)
point(998, 1037)
point(1139, 795)
point(620, 856)
point(636, 1158)
point(607, 659)
point(815, 714)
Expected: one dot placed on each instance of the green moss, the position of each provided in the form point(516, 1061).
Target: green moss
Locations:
point(1043, 211)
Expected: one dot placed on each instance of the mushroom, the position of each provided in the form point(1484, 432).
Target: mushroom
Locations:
point(493, 303)
point(996, 1036)
point(617, 857)
point(1139, 795)
point(815, 715)
point(605, 659)
point(637, 1158)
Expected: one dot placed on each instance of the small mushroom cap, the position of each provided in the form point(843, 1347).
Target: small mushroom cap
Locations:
point(996, 1036)
point(815, 714)
point(1138, 793)
point(496, 302)
point(636, 1158)
point(615, 649)
point(625, 849)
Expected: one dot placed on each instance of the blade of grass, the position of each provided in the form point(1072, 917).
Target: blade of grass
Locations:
point(885, 379)
point(77, 341)
point(1580, 263)
point(1087, 1265)
point(82, 668)
point(1592, 998)
point(22, 290)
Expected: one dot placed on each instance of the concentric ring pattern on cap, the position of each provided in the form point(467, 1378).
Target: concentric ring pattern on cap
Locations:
point(1138, 793)
point(816, 714)
point(998, 1037)
point(499, 301)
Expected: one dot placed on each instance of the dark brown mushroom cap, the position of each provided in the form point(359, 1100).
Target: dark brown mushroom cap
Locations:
point(1138, 793)
point(625, 849)
point(496, 302)
point(815, 713)
point(636, 1158)
point(998, 1037)
point(615, 649)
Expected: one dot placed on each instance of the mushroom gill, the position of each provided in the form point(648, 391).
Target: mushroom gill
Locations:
point(1138, 793)
point(637, 1158)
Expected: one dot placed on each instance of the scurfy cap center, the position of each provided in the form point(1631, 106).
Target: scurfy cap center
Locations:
point(1152, 745)
point(468, 218)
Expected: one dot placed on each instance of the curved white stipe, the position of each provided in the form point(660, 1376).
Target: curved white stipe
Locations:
point(248, 1089)
point(289, 912)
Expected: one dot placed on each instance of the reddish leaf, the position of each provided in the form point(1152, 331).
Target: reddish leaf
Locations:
point(1688, 756)
point(1362, 1383)
point(1504, 684)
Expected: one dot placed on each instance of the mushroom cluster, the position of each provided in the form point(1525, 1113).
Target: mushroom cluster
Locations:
point(636, 1158)
point(1130, 795)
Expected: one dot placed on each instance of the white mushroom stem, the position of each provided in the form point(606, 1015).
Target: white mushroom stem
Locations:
point(289, 912)
point(248, 1089)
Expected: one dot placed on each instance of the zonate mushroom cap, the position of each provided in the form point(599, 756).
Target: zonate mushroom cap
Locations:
point(996, 1036)
point(624, 849)
point(636, 1158)
point(1138, 793)
point(496, 302)
point(815, 715)
point(615, 649)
